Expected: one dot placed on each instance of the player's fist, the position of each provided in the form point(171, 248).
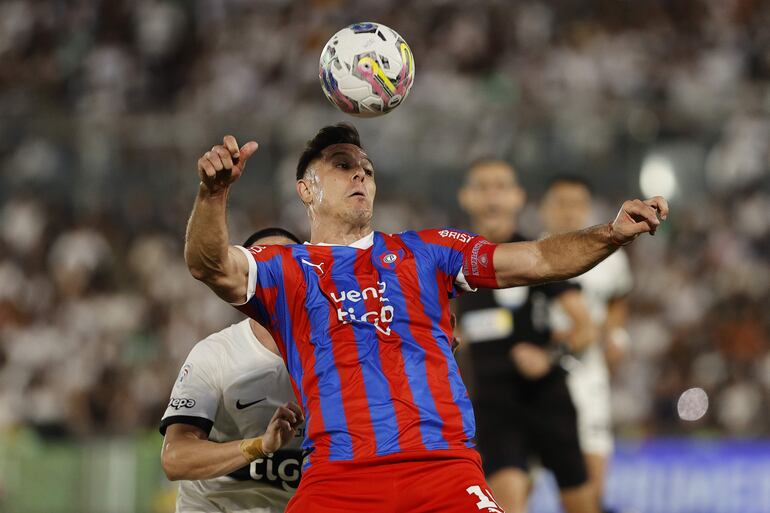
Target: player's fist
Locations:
point(283, 425)
point(223, 164)
point(637, 217)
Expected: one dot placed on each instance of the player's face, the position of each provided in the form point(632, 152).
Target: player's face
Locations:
point(340, 185)
point(491, 192)
point(566, 207)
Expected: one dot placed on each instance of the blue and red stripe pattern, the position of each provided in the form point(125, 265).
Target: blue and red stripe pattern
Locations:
point(365, 334)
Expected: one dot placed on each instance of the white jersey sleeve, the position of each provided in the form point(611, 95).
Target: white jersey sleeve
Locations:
point(251, 284)
point(197, 391)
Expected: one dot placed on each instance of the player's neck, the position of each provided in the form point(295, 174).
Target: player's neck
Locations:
point(338, 233)
point(495, 231)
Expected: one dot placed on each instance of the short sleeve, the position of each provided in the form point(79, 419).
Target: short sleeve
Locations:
point(252, 280)
point(266, 277)
point(197, 391)
point(453, 251)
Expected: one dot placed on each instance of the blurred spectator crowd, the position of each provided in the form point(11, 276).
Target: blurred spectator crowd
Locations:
point(106, 105)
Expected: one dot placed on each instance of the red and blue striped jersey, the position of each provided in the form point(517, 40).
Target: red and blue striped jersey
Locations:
point(365, 334)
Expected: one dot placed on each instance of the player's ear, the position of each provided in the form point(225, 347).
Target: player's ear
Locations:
point(304, 192)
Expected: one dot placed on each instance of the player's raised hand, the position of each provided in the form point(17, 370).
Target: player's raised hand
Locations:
point(283, 425)
point(637, 217)
point(223, 164)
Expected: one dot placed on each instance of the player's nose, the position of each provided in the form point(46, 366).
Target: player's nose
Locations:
point(359, 173)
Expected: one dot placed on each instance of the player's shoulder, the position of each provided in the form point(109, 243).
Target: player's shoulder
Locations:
point(214, 348)
point(269, 252)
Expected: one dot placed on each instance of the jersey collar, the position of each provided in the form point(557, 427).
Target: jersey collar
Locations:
point(364, 242)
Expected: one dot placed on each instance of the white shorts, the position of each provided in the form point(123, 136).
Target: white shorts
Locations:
point(589, 385)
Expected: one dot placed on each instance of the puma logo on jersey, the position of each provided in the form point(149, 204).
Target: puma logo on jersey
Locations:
point(239, 405)
point(317, 266)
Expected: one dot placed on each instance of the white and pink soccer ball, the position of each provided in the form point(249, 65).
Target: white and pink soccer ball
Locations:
point(366, 69)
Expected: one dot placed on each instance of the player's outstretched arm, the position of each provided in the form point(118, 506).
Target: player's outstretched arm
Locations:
point(208, 254)
point(560, 257)
point(188, 453)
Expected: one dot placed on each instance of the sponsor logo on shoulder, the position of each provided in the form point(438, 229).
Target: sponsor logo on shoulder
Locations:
point(451, 234)
point(181, 402)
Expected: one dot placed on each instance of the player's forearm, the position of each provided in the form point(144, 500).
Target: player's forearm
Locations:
point(207, 239)
point(193, 458)
point(208, 254)
point(558, 257)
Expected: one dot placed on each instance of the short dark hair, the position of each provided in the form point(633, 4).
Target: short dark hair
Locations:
point(569, 180)
point(272, 231)
point(341, 133)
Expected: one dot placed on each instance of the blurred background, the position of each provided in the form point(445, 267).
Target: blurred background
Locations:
point(105, 107)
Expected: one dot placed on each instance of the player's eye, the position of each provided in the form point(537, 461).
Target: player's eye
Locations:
point(343, 165)
point(369, 172)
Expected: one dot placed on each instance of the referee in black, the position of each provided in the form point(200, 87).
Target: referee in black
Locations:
point(511, 358)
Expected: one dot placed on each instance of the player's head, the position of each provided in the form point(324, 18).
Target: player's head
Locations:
point(335, 177)
point(491, 193)
point(566, 205)
point(271, 235)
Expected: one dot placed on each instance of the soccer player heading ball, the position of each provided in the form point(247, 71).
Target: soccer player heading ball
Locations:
point(362, 320)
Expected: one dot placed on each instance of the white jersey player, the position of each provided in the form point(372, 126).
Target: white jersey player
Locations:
point(231, 409)
point(567, 206)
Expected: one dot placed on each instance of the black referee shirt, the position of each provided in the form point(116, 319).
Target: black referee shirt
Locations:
point(492, 321)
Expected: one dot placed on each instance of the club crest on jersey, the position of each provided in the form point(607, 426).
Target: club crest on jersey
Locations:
point(390, 259)
point(380, 319)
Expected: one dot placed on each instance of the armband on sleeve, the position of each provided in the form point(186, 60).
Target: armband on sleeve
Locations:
point(478, 265)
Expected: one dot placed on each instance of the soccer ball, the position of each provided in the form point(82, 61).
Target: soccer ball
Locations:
point(366, 69)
